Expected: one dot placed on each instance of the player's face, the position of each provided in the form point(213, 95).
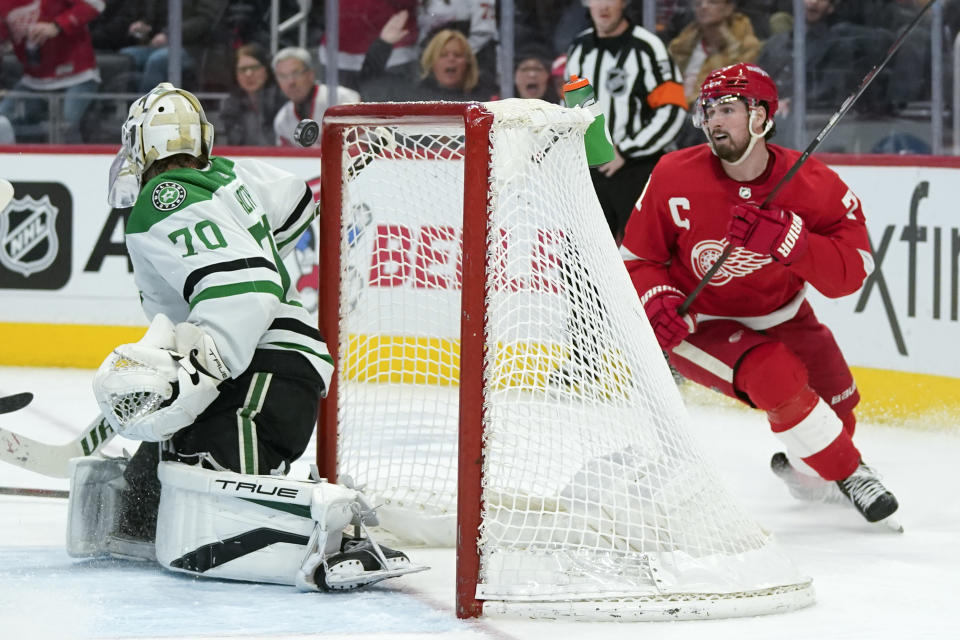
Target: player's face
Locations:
point(450, 67)
point(295, 79)
point(726, 125)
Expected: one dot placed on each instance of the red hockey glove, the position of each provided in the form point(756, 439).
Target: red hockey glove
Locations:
point(774, 232)
point(669, 327)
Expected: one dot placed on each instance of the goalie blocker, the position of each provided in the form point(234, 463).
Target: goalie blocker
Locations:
point(236, 526)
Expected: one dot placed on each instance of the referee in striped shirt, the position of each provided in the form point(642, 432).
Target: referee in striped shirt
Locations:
point(640, 91)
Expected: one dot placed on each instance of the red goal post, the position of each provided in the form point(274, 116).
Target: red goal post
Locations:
point(498, 386)
point(477, 122)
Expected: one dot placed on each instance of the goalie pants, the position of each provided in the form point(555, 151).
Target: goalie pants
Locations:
point(260, 423)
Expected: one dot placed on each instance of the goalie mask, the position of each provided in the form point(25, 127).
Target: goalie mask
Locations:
point(740, 81)
point(165, 122)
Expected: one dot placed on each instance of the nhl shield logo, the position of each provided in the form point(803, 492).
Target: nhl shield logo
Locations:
point(616, 82)
point(28, 235)
point(745, 193)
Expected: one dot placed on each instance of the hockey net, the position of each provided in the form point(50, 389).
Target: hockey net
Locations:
point(487, 338)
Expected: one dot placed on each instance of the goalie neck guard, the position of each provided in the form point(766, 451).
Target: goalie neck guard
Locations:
point(163, 123)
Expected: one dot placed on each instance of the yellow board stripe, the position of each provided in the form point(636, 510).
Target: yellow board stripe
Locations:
point(61, 345)
point(910, 399)
point(887, 397)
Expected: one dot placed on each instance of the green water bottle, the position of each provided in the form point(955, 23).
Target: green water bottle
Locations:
point(579, 93)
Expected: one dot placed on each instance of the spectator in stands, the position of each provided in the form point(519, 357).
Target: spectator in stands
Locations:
point(248, 21)
point(764, 14)
point(448, 68)
point(718, 36)
point(555, 23)
point(52, 42)
point(378, 81)
point(477, 20)
point(674, 15)
point(532, 76)
point(908, 78)
point(247, 115)
point(361, 22)
point(200, 17)
point(293, 69)
point(120, 24)
point(831, 55)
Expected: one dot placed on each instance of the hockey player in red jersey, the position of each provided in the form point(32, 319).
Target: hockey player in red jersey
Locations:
point(750, 333)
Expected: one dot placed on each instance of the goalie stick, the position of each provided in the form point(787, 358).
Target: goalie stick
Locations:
point(53, 459)
point(827, 128)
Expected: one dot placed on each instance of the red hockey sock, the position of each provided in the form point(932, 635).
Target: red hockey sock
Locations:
point(776, 381)
point(849, 423)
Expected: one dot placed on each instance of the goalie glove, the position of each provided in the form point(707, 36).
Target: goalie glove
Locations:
point(773, 232)
point(149, 390)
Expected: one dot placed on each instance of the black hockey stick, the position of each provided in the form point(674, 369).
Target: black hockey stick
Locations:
point(831, 123)
point(17, 401)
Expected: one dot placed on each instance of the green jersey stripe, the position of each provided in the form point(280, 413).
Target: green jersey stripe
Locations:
point(227, 290)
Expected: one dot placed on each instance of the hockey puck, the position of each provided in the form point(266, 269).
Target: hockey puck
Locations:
point(307, 132)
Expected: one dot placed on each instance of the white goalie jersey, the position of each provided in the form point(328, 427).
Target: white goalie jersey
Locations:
point(207, 248)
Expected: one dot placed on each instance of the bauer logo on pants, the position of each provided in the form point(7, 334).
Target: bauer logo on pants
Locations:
point(35, 237)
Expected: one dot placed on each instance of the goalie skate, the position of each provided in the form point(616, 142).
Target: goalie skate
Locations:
point(361, 563)
point(803, 486)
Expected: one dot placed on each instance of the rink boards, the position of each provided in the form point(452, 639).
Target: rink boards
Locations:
point(69, 296)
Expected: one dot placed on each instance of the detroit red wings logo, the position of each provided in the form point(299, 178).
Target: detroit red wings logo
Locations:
point(741, 262)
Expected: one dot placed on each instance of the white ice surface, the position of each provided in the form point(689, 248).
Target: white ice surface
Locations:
point(870, 582)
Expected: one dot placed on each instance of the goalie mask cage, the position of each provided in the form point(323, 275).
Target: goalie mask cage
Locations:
point(498, 385)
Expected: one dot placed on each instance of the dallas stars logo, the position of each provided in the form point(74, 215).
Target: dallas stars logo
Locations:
point(167, 196)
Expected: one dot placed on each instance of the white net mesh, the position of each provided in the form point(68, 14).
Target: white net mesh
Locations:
point(593, 490)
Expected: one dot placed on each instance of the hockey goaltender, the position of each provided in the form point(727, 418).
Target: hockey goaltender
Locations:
point(223, 388)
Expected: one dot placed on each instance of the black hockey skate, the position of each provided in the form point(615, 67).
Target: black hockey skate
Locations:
point(359, 565)
point(868, 495)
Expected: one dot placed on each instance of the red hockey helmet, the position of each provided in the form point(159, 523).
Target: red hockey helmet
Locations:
point(742, 80)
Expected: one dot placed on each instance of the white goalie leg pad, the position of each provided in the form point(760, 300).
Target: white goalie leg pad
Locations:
point(233, 526)
point(96, 486)
point(249, 527)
